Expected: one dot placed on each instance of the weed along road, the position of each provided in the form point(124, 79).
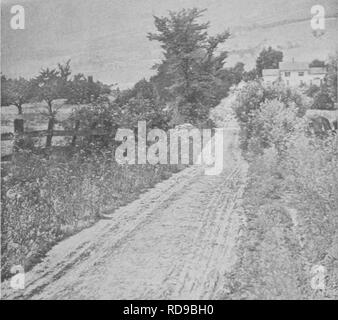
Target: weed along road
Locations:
point(175, 242)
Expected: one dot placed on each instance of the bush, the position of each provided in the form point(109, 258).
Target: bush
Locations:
point(273, 125)
point(250, 97)
point(109, 116)
point(322, 99)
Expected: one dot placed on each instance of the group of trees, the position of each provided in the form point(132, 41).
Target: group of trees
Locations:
point(189, 81)
point(50, 85)
point(192, 77)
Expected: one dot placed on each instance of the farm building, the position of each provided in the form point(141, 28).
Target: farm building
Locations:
point(295, 74)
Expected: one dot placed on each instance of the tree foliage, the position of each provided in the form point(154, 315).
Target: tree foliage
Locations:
point(139, 103)
point(316, 63)
point(82, 90)
point(331, 78)
point(251, 97)
point(51, 85)
point(325, 96)
point(268, 59)
point(322, 99)
point(15, 92)
point(190, 71)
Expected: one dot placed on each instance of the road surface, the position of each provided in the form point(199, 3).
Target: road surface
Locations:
point(175, 242)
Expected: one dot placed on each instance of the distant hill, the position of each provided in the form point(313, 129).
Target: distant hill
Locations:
point(107, 38)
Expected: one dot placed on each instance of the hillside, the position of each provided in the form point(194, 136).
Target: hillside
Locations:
point(116, 49)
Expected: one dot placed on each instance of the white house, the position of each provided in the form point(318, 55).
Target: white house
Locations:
point(295, 74)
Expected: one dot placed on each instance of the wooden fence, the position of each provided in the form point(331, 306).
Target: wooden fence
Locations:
point(19, 134)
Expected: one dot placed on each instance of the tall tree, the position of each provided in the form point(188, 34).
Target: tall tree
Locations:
point(51, 85)
point(268, 59)
point(15, 92)
point(190, 69)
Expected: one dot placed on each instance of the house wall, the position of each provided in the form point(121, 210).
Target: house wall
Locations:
point(295, 79)
point(317, 79)
point(269, 79)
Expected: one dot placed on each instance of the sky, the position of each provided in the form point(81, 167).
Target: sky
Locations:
point(108, 38)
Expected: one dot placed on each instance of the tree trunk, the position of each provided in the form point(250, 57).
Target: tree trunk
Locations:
point(19, 109)
point(50, 125)
point(50, 132)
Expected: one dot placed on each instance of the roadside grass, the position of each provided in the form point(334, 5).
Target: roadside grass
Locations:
point(291, 211)
point(48, 195)
point(290, 205)
point(46, 200)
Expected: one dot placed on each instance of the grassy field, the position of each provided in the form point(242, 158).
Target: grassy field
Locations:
point(33, 120)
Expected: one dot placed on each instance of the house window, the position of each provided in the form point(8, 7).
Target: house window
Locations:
point(301, 74)
point(287, 74)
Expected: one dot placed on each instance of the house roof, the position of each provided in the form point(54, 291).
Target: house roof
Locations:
point(293, 66)
point(317, 70)
point(270, 72)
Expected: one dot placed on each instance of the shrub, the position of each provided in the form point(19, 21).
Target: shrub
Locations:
point(273, 124)
point(250, 98)
point(322, 99)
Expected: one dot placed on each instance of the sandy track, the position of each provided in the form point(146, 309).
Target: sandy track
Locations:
point(175, 242)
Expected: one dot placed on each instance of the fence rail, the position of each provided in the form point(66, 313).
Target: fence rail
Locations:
point(20, 134)
point(55, 133)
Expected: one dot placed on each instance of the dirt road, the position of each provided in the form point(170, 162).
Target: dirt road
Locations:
point(175, 242)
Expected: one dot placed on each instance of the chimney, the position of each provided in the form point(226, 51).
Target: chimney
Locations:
point(90, 79)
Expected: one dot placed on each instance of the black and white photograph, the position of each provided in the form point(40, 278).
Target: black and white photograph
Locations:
point(182, 151)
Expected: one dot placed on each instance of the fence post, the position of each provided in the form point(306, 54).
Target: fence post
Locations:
point(18, 126)
point(77, 126)
point(18, 133)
